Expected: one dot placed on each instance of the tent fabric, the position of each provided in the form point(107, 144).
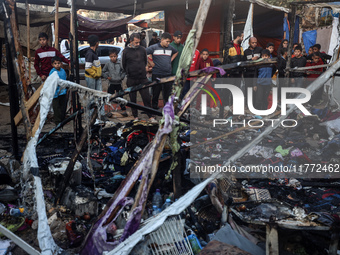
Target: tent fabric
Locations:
point(309, 39)
point(334, 41)
point(323, 37)
point(104, 29)
point(248, 28)
point(268, 25)
point(296, 30)
point(210, 39)
point(36, 18)
point(286, 27)
point(262, 42)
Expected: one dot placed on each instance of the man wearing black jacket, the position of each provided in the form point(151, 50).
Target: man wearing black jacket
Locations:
point(134, 61)
point(252, 53)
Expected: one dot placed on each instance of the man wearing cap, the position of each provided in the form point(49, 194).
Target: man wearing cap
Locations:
point(176, 43)
point(154, 39)
point(162, 55)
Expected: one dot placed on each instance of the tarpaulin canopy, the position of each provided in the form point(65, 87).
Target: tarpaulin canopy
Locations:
point(39, 22)
point(104, 29)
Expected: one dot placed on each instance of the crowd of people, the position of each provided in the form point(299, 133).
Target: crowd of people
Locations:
point(142, 63)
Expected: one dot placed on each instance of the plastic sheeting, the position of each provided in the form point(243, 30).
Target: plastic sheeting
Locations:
point(229, 236)
point(248, 28)
point(104, 29)
point(46, 242)
point(309, 39)
point(323, 37)
point(334, 41)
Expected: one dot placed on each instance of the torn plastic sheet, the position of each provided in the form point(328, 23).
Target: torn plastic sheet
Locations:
point(182, 203)
point(46, 242)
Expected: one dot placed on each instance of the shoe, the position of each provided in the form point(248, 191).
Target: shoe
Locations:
point(153, 120)
point(124, 114)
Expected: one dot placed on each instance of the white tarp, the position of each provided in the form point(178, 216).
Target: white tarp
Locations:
point(334, 41)
point(248, 28)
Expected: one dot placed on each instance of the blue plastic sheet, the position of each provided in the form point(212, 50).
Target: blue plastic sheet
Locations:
point(309, 39)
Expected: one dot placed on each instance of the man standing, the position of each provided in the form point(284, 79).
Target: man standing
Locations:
point(142, 39)
point(134, 61)
point(252, 53)
point(233, 53)
point(120, 42)
point(162, 56)
point(154, 39)
point(176, 43)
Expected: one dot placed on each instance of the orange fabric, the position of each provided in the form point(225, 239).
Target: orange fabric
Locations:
point(262, 42)
point(210, 38)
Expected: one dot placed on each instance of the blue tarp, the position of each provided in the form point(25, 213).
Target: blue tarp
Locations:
point(309, 39)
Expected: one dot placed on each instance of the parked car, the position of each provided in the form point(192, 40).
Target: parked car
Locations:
point(103, 54)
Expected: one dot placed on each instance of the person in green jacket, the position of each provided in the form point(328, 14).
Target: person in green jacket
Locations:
point(176, 43)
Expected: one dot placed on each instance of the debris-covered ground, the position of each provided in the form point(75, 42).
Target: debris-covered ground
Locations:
point(303, 210)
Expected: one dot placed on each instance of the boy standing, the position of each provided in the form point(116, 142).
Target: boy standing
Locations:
point(297, 61)
point(270, 47)
point(204, 62)
point(44, 55)
point(115, 74)
point(263, 84)
point(162, 55)
point(176, 43)
point(59, 99)
point(93, 69)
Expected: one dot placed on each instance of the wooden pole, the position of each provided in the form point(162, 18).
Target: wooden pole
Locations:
point(17, 56)
point(28, 24)
point(291, 40)
point(56, 25)
point(228, 25)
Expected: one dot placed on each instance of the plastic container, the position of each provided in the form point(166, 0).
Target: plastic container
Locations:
point(157, 199)
point(155, 210)
point(166, 204)
point(16, 212)
point(195, 244)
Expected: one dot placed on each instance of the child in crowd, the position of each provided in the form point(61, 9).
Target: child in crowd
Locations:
point(44, 55)
point(264, 83)
point(310, 54)
point(324, 56)
point(270, 47)
point(115, 74)
point(60, 99)
point(316, 61)
point(282, 62)
point(203, 62)
point(297, 61)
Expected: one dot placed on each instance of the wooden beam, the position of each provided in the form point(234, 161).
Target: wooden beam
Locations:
point(272, 240)
point(28, 24)
point(291, 39)
point(228, 24)
point(56, 25)
point(29, 104)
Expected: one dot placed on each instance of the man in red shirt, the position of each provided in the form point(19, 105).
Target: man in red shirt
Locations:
point(44, 55)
